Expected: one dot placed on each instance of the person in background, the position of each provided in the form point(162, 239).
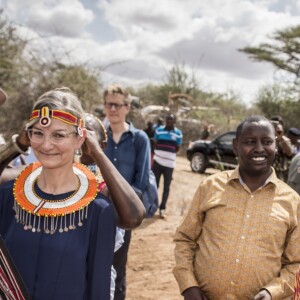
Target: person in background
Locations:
point(167, 141)
point(285, 150)
point(58, 229)
point(205, 133)
point(294, 136)
point(294, 173)
point(128, 149)
point(159, 122)
point(149, 130)
point(130, 211)
point(239, 239)
point(294, 168)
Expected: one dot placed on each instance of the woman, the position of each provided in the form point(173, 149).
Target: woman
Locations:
point(60, 231)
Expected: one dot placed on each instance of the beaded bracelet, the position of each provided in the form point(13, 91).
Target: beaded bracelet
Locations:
point(17, 147)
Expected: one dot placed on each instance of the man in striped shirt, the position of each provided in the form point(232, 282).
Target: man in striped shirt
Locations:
point(167, 141)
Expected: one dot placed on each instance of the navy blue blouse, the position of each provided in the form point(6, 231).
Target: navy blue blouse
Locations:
point(69, 265)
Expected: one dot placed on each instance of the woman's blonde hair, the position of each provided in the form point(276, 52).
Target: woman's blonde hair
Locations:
point(61, 99)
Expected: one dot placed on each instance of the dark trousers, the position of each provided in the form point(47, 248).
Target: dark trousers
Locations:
point(119, 263)
point(167, 173)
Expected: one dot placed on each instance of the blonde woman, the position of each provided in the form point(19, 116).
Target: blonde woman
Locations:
point(60, 232)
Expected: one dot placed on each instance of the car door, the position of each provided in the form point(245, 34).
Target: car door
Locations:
point(224, 149)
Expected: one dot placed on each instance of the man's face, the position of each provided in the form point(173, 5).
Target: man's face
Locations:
point(115, 108)
point(170, 121)
point(255, 148)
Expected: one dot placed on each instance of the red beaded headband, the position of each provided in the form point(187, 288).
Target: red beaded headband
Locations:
point(45, 114)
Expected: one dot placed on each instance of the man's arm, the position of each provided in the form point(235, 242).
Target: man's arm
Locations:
point(286, 145)
point(179, 139)
point(15, 146)
point(129, 208)
point(186, 237)
point(142, 161)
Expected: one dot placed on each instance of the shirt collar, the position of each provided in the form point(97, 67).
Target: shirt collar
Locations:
point(131, 128)
point(236, 176)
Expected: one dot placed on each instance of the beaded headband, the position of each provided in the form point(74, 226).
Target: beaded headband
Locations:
point(45, 114)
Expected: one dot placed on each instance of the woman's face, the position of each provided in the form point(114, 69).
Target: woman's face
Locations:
point(54, 146)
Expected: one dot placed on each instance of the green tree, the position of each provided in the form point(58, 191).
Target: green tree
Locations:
point(278, 100)
point(26, 77)
point(283, 52)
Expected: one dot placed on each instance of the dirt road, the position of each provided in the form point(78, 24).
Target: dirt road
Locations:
point(151, 258)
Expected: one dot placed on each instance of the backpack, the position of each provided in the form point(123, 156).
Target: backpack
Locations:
point(150, 195)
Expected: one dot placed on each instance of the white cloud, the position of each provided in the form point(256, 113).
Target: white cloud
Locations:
point(52, 17)
point(151, 35)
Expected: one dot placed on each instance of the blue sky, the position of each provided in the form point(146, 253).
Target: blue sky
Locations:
point(136, 42)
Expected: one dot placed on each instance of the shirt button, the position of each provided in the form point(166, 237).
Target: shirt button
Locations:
point(232, 283)
point(242, 237)
point(252, 196)
point(115, 159)
point(237, 260)
point(248, 216)
point(116, 147)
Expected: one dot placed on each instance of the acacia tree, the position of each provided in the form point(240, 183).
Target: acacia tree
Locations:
point(283, 52)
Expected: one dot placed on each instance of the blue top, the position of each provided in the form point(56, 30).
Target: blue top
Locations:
point(131, 156)
point(70, 265)
point(166, 145)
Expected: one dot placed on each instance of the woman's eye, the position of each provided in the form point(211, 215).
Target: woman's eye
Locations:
point(37, 133)
point(59, 135)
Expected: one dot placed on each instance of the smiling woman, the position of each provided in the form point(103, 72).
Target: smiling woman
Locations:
point(59, 222)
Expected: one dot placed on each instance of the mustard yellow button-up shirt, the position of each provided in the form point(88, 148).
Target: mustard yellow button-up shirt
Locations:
point(231, 243)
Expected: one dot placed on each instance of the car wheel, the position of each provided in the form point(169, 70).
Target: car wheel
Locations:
point(198, 162)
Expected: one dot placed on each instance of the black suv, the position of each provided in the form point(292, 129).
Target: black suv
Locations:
point(217, 153)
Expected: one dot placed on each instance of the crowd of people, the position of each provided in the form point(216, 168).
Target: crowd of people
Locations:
point(71, 189)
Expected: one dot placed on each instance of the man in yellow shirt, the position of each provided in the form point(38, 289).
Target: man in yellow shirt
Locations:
point(240, 237)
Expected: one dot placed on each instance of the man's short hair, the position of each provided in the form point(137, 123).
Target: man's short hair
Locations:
point(171, 117)
point(251, 119)
point(117, 89)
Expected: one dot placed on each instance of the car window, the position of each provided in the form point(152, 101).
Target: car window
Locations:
point(226, 139)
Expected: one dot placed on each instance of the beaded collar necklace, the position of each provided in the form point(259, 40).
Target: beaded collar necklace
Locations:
point(38, 214)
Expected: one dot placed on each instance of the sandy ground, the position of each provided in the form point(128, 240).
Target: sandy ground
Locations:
point(151, 253)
